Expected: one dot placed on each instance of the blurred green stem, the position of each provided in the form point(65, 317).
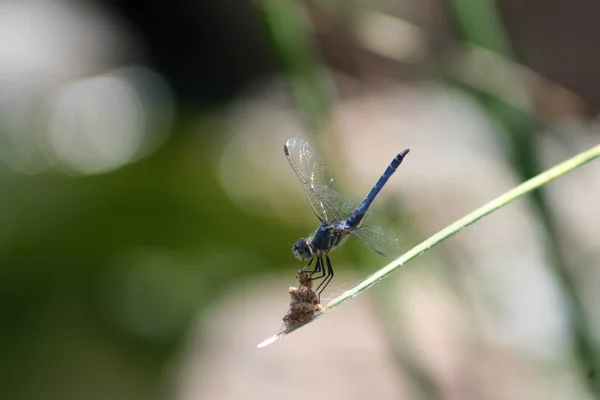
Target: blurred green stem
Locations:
point(479, 23)
point(292, 35)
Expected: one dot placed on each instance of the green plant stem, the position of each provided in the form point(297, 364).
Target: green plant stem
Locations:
point(293, 38)
point(501, 201)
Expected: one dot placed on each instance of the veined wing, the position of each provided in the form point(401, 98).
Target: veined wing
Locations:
point(315, 177)
point(379, 240)
point(337, 205)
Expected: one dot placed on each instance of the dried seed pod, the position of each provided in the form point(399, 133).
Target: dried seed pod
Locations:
point(305, 279)
point(303, 306)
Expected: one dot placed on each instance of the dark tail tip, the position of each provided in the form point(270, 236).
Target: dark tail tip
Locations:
point(402, 154)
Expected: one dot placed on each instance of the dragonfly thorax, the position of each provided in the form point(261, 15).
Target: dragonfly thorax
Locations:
point(330, 236)
point(304, 249)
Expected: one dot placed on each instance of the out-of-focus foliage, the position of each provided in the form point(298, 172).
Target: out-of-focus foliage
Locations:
point(147, 210)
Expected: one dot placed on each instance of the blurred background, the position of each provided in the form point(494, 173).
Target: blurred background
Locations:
point(147, 210)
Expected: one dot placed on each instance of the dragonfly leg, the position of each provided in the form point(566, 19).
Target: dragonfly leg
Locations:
point(320, 269)
point(328, 276)
point(308, 265)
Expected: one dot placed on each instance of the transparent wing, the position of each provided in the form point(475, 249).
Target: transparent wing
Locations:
point(337, 205)
point(327, 204)
point(379, 240)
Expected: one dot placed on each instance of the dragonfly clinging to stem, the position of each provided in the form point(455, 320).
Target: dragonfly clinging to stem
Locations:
point(340, 217)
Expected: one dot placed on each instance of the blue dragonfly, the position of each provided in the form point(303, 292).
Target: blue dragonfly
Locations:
point(340, 217)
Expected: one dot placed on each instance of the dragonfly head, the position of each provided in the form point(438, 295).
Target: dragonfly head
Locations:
point(303, 249)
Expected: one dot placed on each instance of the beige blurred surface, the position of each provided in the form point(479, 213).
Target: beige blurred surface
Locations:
point(224, 362)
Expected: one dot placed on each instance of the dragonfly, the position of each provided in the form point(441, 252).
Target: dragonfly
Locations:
point(340, 217)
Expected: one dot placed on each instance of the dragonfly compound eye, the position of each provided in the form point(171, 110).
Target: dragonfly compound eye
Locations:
point(303, 250)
